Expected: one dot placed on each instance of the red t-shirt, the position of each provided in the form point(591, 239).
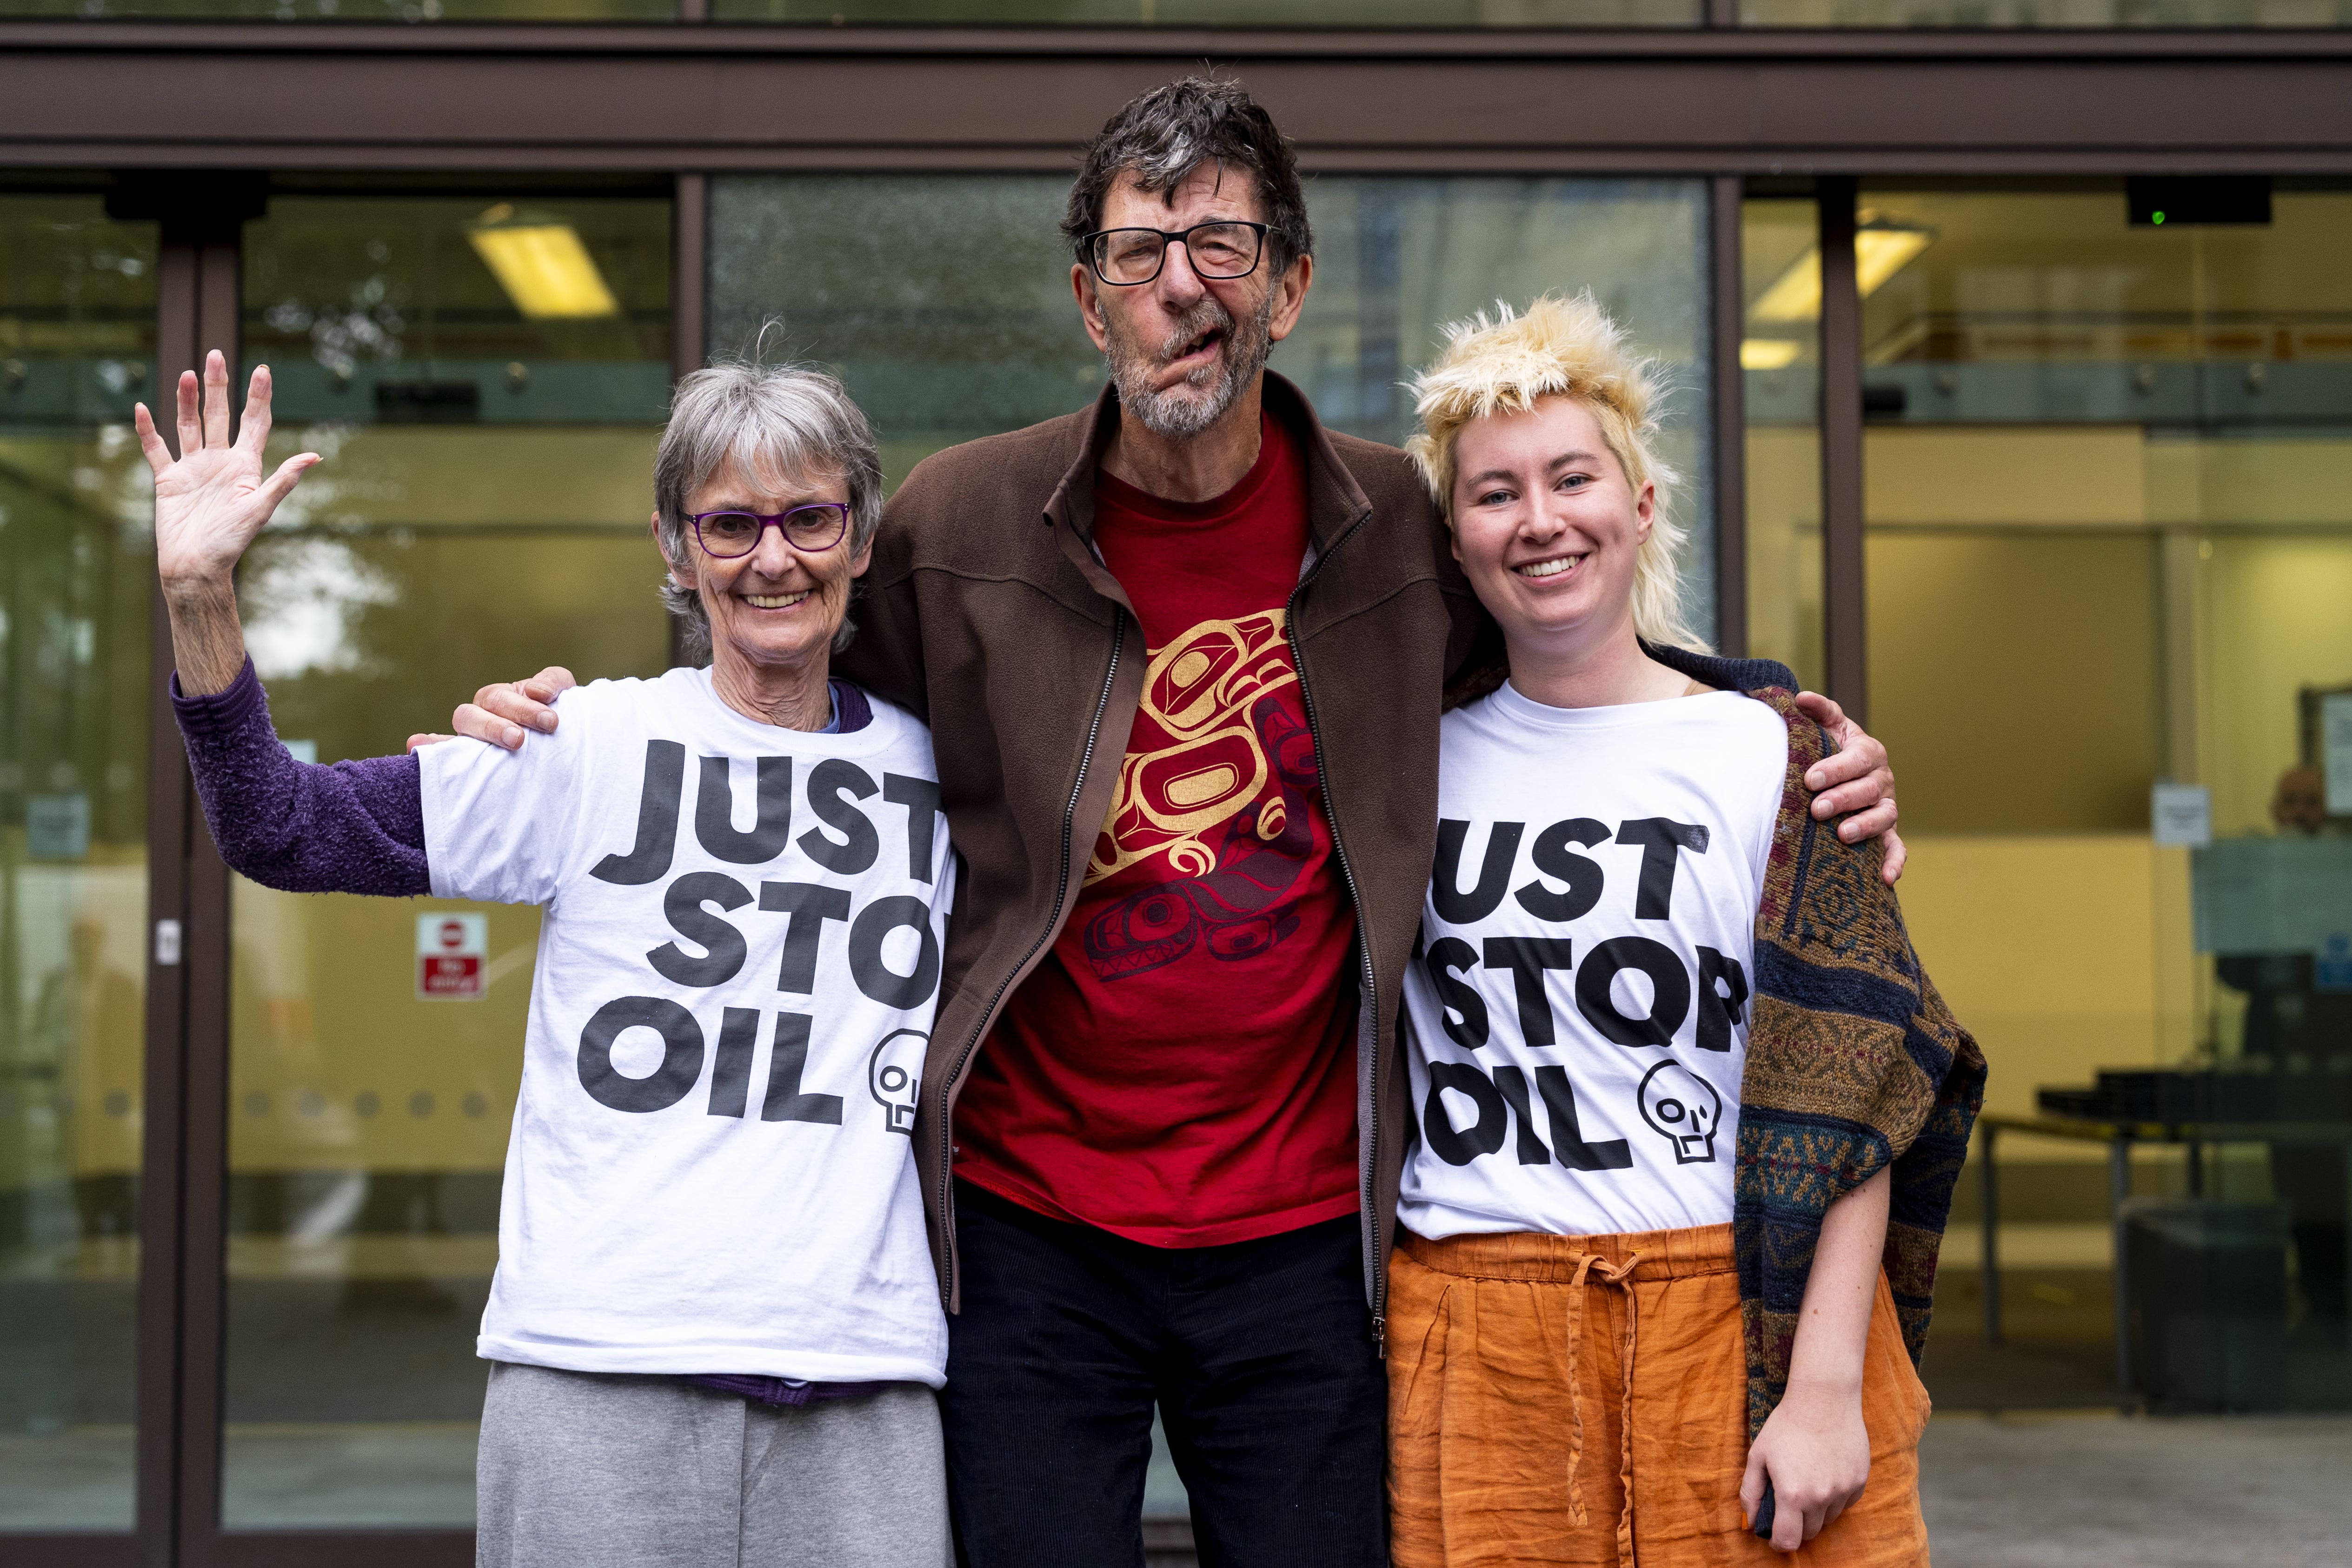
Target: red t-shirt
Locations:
point(1181, 1067)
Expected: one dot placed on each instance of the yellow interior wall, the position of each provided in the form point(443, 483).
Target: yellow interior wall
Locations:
point(2280, 618)
point(1981, 476)
point(2288, 480)
point(2013, 641)
point(2060, 952)
point(2010, 677)
point(1784, 548)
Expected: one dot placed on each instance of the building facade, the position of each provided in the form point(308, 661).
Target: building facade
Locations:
point(2011, 347)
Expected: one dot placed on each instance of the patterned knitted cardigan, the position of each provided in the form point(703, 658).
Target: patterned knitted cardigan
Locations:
point(1854, 1062)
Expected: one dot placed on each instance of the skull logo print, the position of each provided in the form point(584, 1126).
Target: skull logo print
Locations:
point(1684, 1109)
point(894, 1076)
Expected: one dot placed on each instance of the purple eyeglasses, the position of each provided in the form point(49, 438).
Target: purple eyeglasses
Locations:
point(811, 530)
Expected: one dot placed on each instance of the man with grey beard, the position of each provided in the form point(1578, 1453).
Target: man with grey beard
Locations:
point(1183, 655)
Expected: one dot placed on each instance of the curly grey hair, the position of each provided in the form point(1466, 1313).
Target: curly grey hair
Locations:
point(1162, 135)
point(787, 420)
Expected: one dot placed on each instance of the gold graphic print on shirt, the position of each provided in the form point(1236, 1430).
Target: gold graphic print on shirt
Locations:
point(1215, 789)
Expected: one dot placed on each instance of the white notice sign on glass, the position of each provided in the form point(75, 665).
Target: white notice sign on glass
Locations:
point(2182, 814)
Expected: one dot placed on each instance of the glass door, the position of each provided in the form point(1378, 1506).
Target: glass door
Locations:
point(2105, 482)
point(77, 349)
point(486, 378)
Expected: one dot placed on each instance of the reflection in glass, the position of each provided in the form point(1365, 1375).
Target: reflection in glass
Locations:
point(1244, 13)
point(313, 11)
point(77, 349)
point(942, 299)
point(982, 336)
point(2105, 484)
point(489, 421)
point(2279, 1001)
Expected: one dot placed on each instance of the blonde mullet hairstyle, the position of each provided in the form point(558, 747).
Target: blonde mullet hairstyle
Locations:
point(1559, 348)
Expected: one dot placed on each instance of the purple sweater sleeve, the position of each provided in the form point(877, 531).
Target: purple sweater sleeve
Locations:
point(352, 828)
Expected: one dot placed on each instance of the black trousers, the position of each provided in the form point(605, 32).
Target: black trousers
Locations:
point(1258, 1354)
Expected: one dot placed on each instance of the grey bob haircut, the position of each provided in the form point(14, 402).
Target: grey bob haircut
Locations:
point(785, 420)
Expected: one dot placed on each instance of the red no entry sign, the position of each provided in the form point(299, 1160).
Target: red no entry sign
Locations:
point(450, 951)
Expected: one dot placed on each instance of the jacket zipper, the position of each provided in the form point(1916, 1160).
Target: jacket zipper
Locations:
point(1375, 1278)
point(1061, 893)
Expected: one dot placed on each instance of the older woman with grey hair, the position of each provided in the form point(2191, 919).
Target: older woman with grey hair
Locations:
point(715, 1330)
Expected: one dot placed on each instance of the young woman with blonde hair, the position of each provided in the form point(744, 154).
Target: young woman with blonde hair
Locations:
point(1689, 1112)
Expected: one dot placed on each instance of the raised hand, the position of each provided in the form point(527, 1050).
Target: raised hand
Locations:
point(213, 500)
point(209, 504)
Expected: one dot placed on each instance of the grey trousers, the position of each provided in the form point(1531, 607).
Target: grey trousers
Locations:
point(583, 1469)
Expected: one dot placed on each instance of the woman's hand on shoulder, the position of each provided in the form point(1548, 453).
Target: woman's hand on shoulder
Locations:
point(1856, 781)
point(1816, 1452)
point(213, 499)
point(505, 712)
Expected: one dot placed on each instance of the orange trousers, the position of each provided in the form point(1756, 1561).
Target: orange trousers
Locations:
point(1583, 1400)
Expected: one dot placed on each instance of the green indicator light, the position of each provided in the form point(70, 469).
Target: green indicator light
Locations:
point(2156, 217)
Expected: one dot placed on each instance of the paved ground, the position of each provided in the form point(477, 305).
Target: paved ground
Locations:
point(2086, 1490)
point(2044, 1490)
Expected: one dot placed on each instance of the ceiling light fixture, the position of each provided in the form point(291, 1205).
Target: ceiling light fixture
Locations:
point(1769, 354)
point(1880, 249)
point(541, 263)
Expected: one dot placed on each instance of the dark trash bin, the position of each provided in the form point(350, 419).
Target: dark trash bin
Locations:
point(2209, 1302)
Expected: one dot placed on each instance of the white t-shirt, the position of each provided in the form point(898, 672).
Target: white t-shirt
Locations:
point(712, 1165)
point(1577, 1005)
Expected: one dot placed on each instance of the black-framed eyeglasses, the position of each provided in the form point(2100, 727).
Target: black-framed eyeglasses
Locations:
point(1124, 257)
point(812, 530)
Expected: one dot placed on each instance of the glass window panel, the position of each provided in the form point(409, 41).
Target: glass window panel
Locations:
point(413, 11)
point(481, 508)
point(2109, 546)
point(2045, 12)
point(980, 335)
point(1244, 13)
point(1780, 358)
point(943, 300)
point(77, 559)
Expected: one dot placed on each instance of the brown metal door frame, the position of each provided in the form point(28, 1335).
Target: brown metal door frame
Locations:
point(1845, 660)
point(187, 303)
point(218, 258)
point(195, 283)
point(101, 94)
point(1720, 102)
point(184, 290)
point(689, 293)
point(1726, 312)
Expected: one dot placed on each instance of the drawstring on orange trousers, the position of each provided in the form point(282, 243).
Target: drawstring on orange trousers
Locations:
point(1616, 1274)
